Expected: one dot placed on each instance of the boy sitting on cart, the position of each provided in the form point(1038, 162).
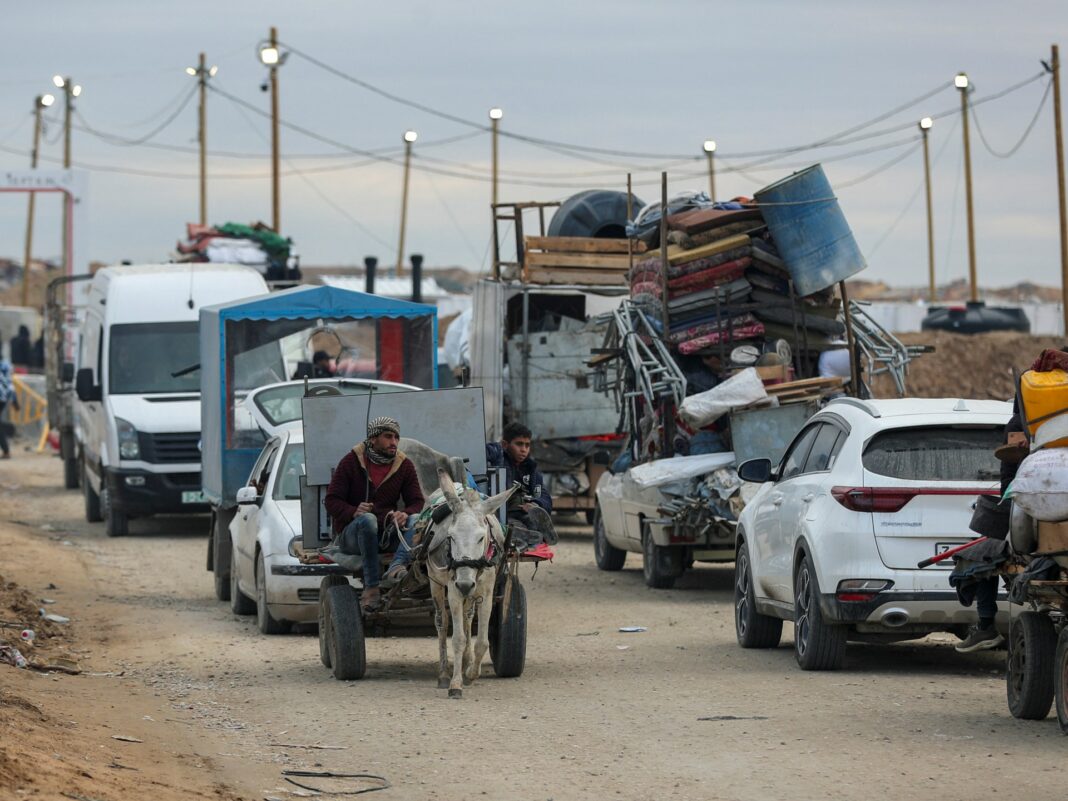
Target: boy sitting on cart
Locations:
point(373, 498)
point(529, 508)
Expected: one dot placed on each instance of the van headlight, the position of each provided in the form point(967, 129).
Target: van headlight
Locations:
point(128, 445)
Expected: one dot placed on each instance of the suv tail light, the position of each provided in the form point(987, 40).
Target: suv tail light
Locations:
point(893, 499)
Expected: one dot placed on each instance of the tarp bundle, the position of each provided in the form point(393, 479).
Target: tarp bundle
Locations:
point(256, 245)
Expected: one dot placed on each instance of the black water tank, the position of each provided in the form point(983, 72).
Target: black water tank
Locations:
point(975, 318)
point(599, 213)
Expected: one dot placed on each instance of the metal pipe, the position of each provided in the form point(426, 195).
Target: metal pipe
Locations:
point(417, 278)
point(370, 265)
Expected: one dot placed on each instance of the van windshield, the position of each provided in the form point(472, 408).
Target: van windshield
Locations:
point(142, 357)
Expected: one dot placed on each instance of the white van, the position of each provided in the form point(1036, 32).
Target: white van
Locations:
point(138, 387)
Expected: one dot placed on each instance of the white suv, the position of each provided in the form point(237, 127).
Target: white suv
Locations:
point(866, 490)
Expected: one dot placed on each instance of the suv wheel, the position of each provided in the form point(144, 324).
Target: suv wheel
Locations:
point(818, 645)
point(753, 629)
point(607, 556)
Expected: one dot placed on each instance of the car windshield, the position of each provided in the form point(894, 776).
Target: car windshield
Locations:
point(143, 357)
point(290, 469)
point(282, 404)
point(936, 453)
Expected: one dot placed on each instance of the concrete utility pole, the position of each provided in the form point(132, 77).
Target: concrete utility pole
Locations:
point(1055, 68)
point(962, 84)
point(925, 127)
point(409, 137)
point(40, 103)
point(710, 152)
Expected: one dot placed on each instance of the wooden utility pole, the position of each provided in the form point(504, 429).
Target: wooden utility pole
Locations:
point(925, 127)
point(962, 85)
point(38, 104)
point(409, 137)
point(710, 152)
point(1055, 68)
point(276, 208)
point(495, 115)
point(202, 136)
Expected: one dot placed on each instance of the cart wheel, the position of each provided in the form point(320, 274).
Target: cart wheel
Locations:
point(1060, 680)
point(508, 637)
point(324, 585)
point(660, 565)
point(344, 634)
point(1029, 672)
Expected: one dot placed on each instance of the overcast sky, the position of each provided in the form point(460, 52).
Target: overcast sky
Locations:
point(640, 77)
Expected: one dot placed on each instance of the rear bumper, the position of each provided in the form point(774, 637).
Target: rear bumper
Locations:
point(906, 611)
point(293, 588)
point(139, 493)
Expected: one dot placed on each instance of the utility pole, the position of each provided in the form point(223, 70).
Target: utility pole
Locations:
point(202, 137)
point(925, 127)
point(41, 102)
point(71, 90)
point(961, 82)
point(710, 152)
point(495, 115)
point(273, 59)
point(1055, 68)
point(409, 137)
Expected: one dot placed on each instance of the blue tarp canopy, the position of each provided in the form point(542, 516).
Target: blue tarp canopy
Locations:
point(248, 343)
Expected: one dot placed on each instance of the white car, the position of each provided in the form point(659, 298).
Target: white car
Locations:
point(866, 490)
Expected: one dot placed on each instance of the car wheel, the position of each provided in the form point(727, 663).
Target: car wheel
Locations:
point(1060, 680)
point(660, 565)
point(92, 500)
point(607, 556)
point(240, 604)
point(753, 629)
point(1029, 670)
point(264, 619)
point(818, 645)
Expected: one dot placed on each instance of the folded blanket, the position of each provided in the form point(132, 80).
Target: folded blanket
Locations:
point(724, 293)
point(767, 279)
point(714, 338)
point(713, 276)
point(813, 323)
point(699, 220)
point(645, 288)
point(676, 270)
point(763, 251)
point(690, 241)
point(720, 324)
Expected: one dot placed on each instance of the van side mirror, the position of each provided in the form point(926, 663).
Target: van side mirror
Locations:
point(246, 495)
point(86, 390)
point(68, 372)
point(755, 470)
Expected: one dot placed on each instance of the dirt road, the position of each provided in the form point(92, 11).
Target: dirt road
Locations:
point(598, 714)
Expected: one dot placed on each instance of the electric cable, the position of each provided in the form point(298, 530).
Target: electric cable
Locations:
point(124, 141)
point(1027, 131)
point(881, 168)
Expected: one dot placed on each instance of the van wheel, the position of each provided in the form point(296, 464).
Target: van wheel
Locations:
point(607, 556)
point(818, 645)
point(92, 500)
point(752, 629)
point(660, 565)
point(116, 523)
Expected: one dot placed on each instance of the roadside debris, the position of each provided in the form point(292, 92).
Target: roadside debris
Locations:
point(124, 738)
point(632, 629)
point(12, 656)
point(54, 618)
point(384, 783)
point(734, 717)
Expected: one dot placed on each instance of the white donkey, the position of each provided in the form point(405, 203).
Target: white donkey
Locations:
point(463, 558)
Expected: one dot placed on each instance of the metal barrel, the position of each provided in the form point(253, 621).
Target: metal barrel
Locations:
point(810, 231)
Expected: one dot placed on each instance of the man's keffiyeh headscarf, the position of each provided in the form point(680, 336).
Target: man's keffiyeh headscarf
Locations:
point(374, 428)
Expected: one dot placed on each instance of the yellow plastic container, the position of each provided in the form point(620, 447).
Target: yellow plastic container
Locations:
point(1044, 396)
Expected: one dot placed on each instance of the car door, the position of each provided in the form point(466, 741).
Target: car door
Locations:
point(245, 525)
point(775, 555)
point(806, 491)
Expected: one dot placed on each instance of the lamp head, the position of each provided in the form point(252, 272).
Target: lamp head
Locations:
point(211, 72)
point(961, 80)
point(76, 90)
point(710, 145)
point(926, 123)
point(191, 71)
point(57, 81)
point(44, 101)
point(495, 113)
point(410, 136)
point(269, 55)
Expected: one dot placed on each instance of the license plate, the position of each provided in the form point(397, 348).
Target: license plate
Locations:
point(942, 547)
point(193, 497)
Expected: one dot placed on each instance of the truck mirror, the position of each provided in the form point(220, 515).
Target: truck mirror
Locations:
point(86, 390)
point(67, 375)
point(757, 470)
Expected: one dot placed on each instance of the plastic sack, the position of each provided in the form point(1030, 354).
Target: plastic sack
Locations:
point(704, 408)
point(1041, 485)
point(678, 468)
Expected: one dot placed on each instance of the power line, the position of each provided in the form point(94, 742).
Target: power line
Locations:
point(881, 168)
point(1027, 131)
point(115, 139)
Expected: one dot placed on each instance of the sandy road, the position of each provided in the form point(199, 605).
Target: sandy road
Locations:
point(597, 714)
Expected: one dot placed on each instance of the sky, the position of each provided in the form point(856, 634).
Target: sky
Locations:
point(651, 78)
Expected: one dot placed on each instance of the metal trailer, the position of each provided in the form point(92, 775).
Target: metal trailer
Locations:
point(64, 303)
point(331, 424)
point(250, 343)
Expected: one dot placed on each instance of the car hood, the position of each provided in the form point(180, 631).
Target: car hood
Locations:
point(158, 413)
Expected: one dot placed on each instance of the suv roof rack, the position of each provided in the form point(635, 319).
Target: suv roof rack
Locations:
point(860, 404)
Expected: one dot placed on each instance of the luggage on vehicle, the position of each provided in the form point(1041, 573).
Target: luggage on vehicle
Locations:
point(1041, 485)
point(1045, 397)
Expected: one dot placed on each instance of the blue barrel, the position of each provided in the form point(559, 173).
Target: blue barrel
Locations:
point(810, 231)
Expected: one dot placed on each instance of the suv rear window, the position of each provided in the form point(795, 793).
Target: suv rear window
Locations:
point(936, 453)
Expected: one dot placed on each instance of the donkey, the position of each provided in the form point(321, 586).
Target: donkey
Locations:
point(463, 558)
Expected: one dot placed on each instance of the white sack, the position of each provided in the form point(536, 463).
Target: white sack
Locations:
point(677, 468)
point(1041, 485)
point(704, 408)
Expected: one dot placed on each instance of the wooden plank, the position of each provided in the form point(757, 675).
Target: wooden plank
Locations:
point(813, 384)
point(581, 244)
point(563, 276)
point(581, 261)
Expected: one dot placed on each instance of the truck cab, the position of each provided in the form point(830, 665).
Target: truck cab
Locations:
point(138, 387)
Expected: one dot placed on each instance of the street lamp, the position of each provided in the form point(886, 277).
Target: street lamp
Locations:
point(495, 115)
point(202, 72)
point(964, 86)
point(409, 139)
point(925, 126)
point(272, 58)
point(710, 150)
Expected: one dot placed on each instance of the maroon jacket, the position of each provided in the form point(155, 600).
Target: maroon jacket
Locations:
point(348, 489)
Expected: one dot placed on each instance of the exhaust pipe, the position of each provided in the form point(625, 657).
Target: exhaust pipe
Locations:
point(895, 618)
point(417, 278)
point(370, 264)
